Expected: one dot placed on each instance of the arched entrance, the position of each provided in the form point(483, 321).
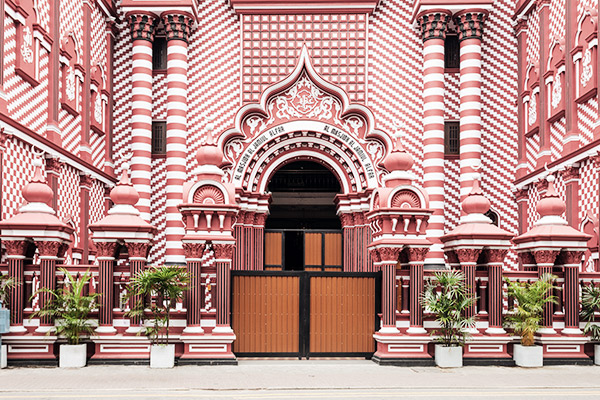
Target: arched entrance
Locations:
point(303, 231)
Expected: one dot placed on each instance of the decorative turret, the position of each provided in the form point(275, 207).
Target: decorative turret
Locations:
point(210, 157)
point(124, 196)
point(398, 162)
point(475, 205)
point(37, 192)
point(551, 207)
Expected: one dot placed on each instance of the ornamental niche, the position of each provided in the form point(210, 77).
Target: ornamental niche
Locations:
point(584, 56)
point(554, 80)
point(31, 42)
point(98, 99)
point(531, 100)
point(304, 112)
point(71, 74)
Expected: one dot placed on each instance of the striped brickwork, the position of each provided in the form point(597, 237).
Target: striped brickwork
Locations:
point(177, 28)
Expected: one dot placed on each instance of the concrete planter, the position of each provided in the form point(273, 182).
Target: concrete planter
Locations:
point(162, 356)
point(597, 354)
point(3, 356)
point(72, 356)
point(448, 356)
point(528, 356)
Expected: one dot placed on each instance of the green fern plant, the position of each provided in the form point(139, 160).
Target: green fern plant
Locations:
point(69, 306)
point(590, 304)
point(169, 284)
point(7, 283)
point(531, 298)
point(449, 307)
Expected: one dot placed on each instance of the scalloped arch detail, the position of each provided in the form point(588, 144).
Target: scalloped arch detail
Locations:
point(405, 199)
point(209, 195)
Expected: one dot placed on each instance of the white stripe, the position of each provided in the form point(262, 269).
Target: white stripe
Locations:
point(137, 49)
point(433, 48)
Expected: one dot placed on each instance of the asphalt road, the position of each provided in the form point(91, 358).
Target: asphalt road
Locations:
point(314, 379)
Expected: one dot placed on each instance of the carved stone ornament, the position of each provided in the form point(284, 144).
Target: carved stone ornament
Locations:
point(98, 109)
point(526, 258)
point(223, 251)
point(570, 173)
point(587, 71)
point(417, 254)
point(143, 26)
point(178, 26)
point(48, 248)
point(137, 249)
point(470, 25)
point(70, 83)
point(27, 45)
point(571, 257)
point(434, 25)
point(62, 250)
point(209, 194)
point(347, 219)
point(556, 91)
point(15, 247)
point(545, 256)
point(86, 180)
point(54, 165)
point(389, 254)
point(106, 249)
point(532, 111)
point(468, 256)
point(375, 255)
point(405, 199)
point(521, 194)
point(193, 250)
point(452, 257)
point(496, 256)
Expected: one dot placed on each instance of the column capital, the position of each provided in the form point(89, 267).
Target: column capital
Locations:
point(434, 24)
point(417, 254)
point(105, 249)
point(15, 248)
point(468, 256)
point(546, 257)
point(193, 250)
point(48, 248)
point(143, 25)
point(178, 25)
point(223, 251)
point(389, 255)
point(469, 24)
point(496, 256)
point(571, 258)
point(137, 250)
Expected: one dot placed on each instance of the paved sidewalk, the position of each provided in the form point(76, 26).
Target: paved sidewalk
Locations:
point(300, 379)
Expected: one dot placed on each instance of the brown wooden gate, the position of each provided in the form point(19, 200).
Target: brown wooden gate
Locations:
point(304, 314)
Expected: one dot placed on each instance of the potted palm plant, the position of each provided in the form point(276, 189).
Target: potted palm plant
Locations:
point(168, 284)
point(449, 306)
point(6, 284)
point(531, 298)
point(70, 307)
point(590, 305)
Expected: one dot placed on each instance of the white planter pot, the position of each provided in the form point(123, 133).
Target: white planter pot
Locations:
point(4, 356)
point(528, 356)
point(162, 356)
point(597, 354)
point(72, 356)
point(448, 356)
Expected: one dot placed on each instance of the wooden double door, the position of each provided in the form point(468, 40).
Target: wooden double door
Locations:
point(304, 314)
point(303, 250)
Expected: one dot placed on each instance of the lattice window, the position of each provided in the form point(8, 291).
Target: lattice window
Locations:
point(452, 138)
point(159, 137)
point(452, 52)
point(159, 53)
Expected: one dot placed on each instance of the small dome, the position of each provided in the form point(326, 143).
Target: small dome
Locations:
point(209, 154)
point(124, 192)
point(476, 202)
point(37, 191)
point(551, 203)
point(398, 159)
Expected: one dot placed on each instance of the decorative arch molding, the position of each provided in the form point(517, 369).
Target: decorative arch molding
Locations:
point(406, 194)
point(204, 189)
point(305, 106)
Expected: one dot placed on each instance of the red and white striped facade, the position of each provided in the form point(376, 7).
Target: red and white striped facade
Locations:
point(77, 83)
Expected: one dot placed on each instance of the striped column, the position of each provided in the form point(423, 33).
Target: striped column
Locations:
point(142, 34)
point(259, 237)
point(495, 306)
point(239, 234)
point(15, 254)
point(106, 260)
point(177, 29)
point(433, 25)
point(48, 251)
point(137, 262)
point(193, 256)
point(388, 303)
point(545, 261)
point(468, 264)
point(223, 254)
point(572, 260)
point(470, 27)
point(416, 258)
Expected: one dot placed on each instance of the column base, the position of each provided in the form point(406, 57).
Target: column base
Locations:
point(119, 349)
point(105, 329)
point(30, 349)
point(400, 349)
point(416, 330)
point(559, 349)
point(488, 349)
point(17, 329)
point(203, 349)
